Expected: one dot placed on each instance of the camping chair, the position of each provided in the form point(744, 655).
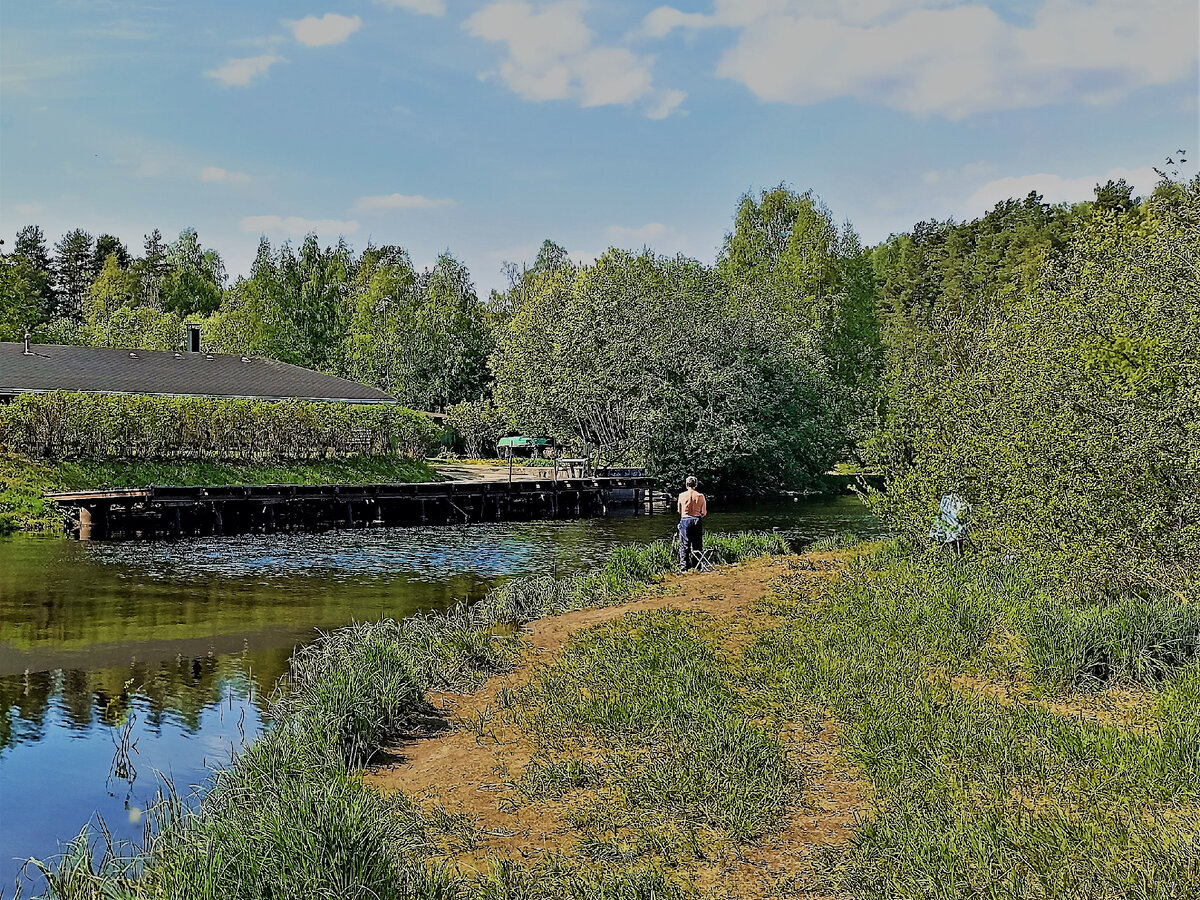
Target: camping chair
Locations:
point(702, 560)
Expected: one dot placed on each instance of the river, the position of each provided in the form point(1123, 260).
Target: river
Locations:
point(122, 663)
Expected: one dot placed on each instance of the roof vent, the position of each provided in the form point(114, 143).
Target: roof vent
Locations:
point(179, 356)
point(28, 352)
point(132, 355)
point(245, 359)
point(208, 356)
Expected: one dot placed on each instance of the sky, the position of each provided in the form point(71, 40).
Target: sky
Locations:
point(485, 127)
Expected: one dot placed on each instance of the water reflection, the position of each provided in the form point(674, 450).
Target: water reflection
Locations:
point(120, 661)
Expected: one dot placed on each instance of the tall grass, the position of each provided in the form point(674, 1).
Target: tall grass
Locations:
point(978, 797)
point(651, 695)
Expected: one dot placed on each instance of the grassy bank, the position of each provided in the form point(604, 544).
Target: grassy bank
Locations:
point(23, 481)
point(290, 819)
point(920, 727)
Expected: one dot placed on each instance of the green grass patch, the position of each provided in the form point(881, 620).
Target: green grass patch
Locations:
point(671, 756)
point(978, 797)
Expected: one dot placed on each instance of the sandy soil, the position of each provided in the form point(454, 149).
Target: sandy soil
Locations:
point(464, 761)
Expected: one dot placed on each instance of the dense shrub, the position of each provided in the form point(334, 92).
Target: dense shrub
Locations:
point(75, 425)
point(1041, 363)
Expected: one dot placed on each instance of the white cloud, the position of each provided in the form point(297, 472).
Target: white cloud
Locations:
point(665, 103)
point(551, 55)
point(401, 201)
point(295, 226)
point(219, 175)
point(320, 31)
point(240, 72)
point(1056, 188)
point(935, 57)
point(27, 209)
point(424, 7)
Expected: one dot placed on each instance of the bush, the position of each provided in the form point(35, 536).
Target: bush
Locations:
point(78, 425)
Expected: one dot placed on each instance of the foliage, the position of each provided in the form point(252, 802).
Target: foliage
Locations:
point(17, 292)
point(653, 361)
point(194, 278)
point(480, 425)
point(786, 251)
point(1062, 401)
point(74, 269)
point(66, 425)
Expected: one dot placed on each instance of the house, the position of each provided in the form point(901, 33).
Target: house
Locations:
point(27, 368)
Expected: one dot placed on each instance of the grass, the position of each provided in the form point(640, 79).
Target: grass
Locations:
point(23, 481)
point(663, 717)
point(978, 795)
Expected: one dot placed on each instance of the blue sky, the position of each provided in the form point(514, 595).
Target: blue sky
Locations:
point(484, 127)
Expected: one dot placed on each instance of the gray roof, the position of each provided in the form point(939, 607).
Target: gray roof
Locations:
point(56, 367)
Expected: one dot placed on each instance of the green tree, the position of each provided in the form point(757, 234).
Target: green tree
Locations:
point(17, 298)
point(660, 362)
point(194, 279)
point(33, 259)
point(786, 248)
point(107, 245)
point(74, 269)
point(1062, 398)
point(152, 268)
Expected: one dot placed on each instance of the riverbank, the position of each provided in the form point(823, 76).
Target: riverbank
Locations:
point(24, 481)
point(855, 722)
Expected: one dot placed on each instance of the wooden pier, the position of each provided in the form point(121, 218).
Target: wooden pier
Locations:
point(177, 511)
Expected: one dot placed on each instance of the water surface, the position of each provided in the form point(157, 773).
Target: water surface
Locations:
point(121, 661)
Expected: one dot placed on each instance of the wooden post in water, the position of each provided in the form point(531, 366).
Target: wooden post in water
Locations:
point(93, 522)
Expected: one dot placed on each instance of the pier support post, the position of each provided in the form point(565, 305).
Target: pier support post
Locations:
point(218, 520)
point(93, 523)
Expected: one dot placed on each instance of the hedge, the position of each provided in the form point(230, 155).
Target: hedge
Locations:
point(64, 425)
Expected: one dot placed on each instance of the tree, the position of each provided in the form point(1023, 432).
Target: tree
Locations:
point(33, 258)
point(74, 269)
point(17, 298)
point(1060, 396)
point(786, 248)
point(152, 268)
point(479, 423)
point(107, 245)
point(195, 277)
point(593, 355)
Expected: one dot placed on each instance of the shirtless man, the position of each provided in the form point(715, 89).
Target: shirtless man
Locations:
point(692, 510)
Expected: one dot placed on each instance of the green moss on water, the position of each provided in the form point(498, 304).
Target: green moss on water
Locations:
point(24, 481)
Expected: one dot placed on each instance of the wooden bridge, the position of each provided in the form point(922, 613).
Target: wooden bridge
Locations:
point(175, 511)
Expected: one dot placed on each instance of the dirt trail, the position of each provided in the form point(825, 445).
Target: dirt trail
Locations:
point(463, 763)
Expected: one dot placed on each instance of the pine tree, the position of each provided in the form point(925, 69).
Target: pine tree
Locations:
point(74, 271)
